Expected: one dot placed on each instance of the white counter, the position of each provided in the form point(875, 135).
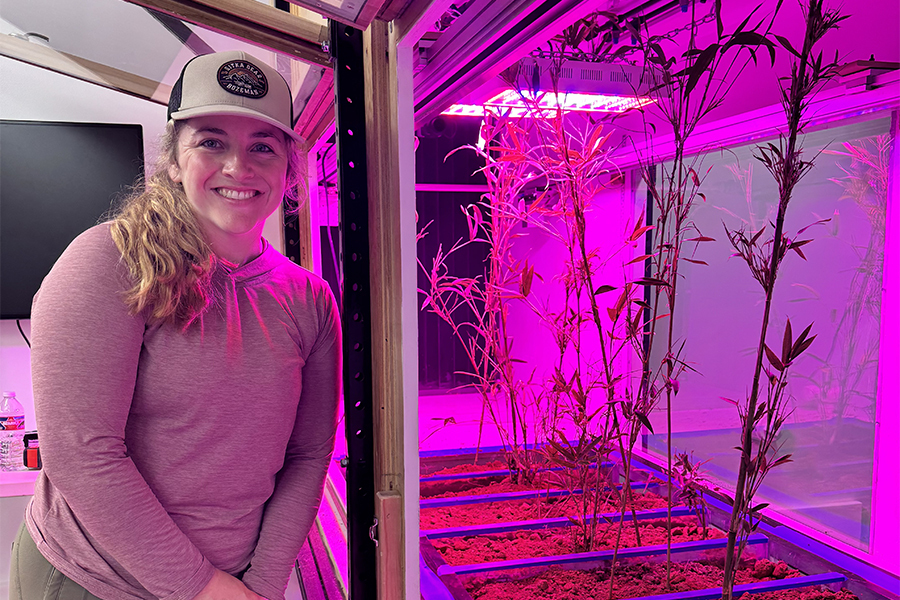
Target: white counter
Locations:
point(17, 483)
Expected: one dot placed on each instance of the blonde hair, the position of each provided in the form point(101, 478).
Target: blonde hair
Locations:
point(162, 244)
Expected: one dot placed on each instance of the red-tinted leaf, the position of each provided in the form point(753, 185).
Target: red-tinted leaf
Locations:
point(697, 70)
point(802, 347)
point(697, 262)
point(639, 258)
point(603, 289)
point(694, 179)
point(525, 283)
point(652, 281)
point(819, 222)
point(644, 421)
point(702, 238)
point(773, 359)
point(787, 344)
point(782, 460)
point(638, 232)
point(756, 236)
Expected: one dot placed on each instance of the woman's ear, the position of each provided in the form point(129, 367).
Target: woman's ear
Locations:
point(175, 172)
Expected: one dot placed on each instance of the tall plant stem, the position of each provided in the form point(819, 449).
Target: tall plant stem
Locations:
point(790, 170)
point(747, 433)
point(675, 254)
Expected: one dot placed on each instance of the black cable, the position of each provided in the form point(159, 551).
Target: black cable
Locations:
point(25, 337)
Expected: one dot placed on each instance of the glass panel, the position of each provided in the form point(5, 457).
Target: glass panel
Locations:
point(837, 289)
point(127, 47)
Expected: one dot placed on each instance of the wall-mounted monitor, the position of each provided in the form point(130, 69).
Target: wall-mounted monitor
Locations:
point(56, 180)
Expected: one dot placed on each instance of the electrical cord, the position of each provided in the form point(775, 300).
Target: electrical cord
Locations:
point(22, 331)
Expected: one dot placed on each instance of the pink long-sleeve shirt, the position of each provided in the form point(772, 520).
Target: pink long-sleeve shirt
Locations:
point(166, 452)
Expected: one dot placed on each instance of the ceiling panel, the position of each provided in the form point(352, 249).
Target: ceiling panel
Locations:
point(131, 48)
point(359, 13)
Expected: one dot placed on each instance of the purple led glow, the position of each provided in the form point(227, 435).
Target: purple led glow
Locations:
point(512, 101)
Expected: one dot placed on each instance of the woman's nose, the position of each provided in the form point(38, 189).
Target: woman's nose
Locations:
point(238, 165)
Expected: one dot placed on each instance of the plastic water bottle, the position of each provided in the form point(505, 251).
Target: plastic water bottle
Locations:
point(12, 430)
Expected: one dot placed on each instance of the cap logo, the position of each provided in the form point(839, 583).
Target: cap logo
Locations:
point(242, 78)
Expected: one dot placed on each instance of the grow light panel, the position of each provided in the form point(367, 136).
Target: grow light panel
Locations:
point(511, 100)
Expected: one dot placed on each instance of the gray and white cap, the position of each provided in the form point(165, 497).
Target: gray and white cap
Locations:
point(232, 83)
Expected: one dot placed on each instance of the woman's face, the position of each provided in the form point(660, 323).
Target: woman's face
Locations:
point(233, 172)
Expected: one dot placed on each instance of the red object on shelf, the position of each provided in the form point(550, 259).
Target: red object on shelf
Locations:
point(31, 457)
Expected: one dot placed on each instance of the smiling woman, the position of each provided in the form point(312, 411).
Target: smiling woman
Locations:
point(232, 170)
point(157, 337)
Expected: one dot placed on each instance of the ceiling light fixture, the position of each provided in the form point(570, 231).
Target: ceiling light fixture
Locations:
point(512, 101)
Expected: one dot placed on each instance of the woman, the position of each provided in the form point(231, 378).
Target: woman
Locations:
point(186, 375)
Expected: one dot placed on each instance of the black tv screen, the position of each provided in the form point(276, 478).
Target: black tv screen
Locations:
point(56, 180)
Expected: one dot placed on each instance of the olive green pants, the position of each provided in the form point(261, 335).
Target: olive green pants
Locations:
point(31, 577)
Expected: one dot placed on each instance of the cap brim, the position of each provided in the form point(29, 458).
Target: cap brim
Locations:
point(240, 111)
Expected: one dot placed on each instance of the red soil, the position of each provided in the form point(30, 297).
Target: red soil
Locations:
point(487, 485)
point(553, 542)
point(520, 510)
point(637, 580)
point(468, 468)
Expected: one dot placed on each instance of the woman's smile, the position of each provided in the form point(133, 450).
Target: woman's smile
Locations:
point(233, 170)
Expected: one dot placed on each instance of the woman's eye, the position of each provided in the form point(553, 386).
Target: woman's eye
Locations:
point(262, 148)
point(210, 143)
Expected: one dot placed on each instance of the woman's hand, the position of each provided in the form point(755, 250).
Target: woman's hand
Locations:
point(223, 586)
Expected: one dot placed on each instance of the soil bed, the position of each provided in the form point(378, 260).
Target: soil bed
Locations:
point(495, 465)
point(637, 580)
point(497, 484)
point(520, 510)
point(564, 540)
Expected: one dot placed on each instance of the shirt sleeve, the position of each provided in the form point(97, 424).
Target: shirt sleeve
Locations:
point(85, 357)
point(292, 508)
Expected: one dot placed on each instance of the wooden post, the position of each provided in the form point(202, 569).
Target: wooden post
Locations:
point(389, 512)
point(392, 271)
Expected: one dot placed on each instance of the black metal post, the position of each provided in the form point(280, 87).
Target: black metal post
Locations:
point(350, 136)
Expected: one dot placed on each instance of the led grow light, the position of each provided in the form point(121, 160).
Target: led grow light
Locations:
point(513, 101)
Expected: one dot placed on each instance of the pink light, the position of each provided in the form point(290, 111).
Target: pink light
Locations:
point(511, 100)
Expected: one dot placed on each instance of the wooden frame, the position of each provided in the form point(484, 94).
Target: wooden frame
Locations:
point(392, 229)
point(258, 23)
point(84, 69)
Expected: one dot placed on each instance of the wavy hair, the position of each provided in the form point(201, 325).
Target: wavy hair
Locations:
point(161, 242)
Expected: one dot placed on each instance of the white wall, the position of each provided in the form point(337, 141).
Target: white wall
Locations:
point(34, 94)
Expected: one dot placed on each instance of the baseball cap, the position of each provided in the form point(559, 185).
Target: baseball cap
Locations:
point(232, 83)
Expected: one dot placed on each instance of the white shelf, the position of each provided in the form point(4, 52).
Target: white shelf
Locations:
point(17, 483)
